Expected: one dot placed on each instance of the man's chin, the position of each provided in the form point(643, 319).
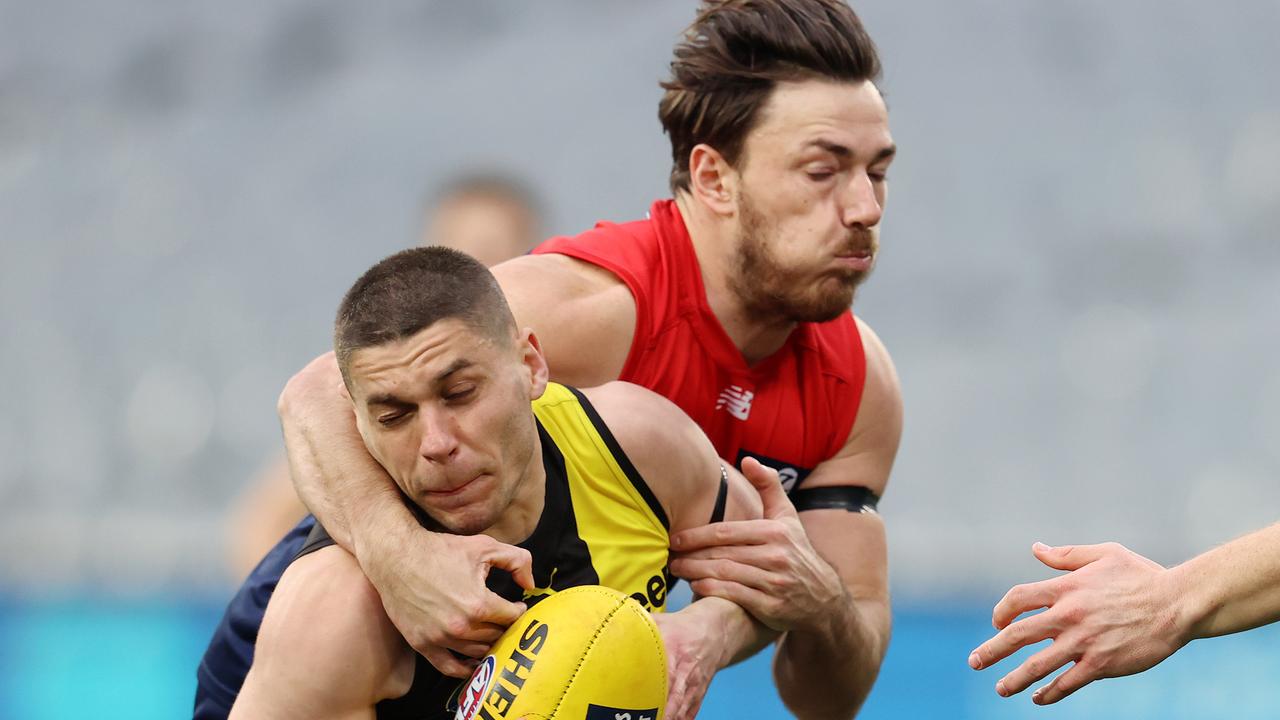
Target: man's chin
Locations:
point(826, 308)
point(457, 523)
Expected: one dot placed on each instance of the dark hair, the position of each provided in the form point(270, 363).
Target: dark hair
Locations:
point(735, 52)
point(410, 291)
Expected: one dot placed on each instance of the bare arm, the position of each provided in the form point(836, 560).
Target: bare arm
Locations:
point(819, 576)
point(1117, 613)
point(1232, 588)
point(849, 641)
point(334, 474)
point(325, 649)
point(584, 318)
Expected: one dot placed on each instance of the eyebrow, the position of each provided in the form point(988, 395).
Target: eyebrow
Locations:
point(389, 399)
point(843, 151)
point(455, 366)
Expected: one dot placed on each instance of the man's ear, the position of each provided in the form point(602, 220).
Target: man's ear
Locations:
point(535, 362)
point(712, 180)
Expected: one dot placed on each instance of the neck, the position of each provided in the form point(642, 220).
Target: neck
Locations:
point(521, 517)
point(756, 336)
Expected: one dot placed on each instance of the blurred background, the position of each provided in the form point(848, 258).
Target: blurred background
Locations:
point(1079, 281)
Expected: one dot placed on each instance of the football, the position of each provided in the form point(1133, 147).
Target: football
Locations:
point(585, 653)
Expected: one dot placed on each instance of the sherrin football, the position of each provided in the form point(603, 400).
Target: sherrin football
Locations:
point(585, 653)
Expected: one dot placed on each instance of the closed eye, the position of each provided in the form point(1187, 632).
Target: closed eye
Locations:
point(460, 395)
point(391, 419)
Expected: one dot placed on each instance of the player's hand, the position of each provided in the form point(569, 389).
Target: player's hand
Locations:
point(766, 566)
point(432, 586)
point(1114, 614)
point(694, 653)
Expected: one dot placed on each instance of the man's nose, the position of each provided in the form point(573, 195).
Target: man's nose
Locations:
point(439, 437)
point(860, 205)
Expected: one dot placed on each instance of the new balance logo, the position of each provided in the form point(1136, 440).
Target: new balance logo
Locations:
point(736, 400)
point(788, 477)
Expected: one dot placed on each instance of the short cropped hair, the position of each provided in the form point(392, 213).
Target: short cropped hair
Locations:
point(733, 55)
point(412, 290)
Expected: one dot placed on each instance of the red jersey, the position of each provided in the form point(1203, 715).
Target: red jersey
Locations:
point(791, 411)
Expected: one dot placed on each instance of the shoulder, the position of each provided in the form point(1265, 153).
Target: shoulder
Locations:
point(569, 276)
point(583, 315)
point(642, 415)
point(325, 641)
point(882, 394)
point(627, 252)
point(644, 421)
point(623, 246)
point(669, 451)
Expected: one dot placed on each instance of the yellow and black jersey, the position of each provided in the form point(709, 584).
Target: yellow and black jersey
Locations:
point(612, 530)
point(600, 525)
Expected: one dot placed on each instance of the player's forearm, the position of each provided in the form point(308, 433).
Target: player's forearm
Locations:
point(1231, 588)
point(337, 479)
point(827, 672)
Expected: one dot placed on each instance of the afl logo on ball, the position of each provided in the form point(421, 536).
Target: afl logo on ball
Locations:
point(472, 695)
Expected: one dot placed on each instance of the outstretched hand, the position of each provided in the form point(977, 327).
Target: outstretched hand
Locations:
point(766, 566)
point(1112, 614)
point(433, 589)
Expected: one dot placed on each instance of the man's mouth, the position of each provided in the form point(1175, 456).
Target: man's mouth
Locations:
point(859, 260)
point(457, 489)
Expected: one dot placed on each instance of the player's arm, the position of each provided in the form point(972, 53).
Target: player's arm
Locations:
point(819, 576)
point(1232, 588)
point(433, 585)
point(826, 664)
point(1117, 613)
point(325, 648)
point(680, 466)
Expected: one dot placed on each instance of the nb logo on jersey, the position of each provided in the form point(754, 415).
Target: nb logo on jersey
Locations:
point(788, 477)
point(735, 400)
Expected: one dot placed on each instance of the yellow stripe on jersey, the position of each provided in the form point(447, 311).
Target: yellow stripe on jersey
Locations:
point(619, 519)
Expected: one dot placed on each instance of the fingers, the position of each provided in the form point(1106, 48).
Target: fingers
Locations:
point(762, 556)
point(514, 560)
point(482, 632)
point(753, 601)
point(444, 661)
point(1027, 631)
point(475, 650)
point(1073, 557)
point(1068, 682)
point(734, 532)
point(683, 701)
point(1037, 667)
point(470, 639)
point(693, 702)
point(765, 480)
point(722, 569)
point(1024, 598)
point(677, 692)
point(498, 611)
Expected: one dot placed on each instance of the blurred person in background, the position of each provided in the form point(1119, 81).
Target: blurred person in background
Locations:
point(490, 216)
point(1117, 613)
point(732, 300)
